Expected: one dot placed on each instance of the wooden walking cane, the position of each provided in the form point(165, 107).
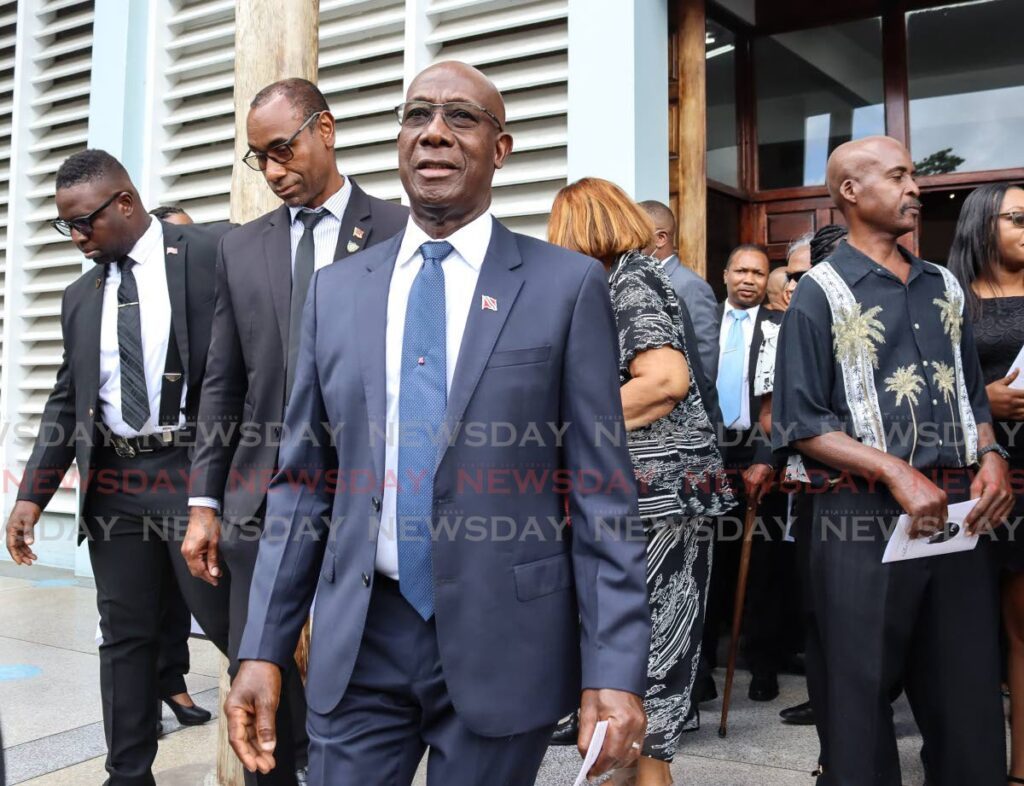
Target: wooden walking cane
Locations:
point(737, 613)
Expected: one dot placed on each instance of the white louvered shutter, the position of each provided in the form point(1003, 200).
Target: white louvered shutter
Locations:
point(8, 33)
point(57, 125)
point(523, 48)
point(195, 158)
point(361, 66)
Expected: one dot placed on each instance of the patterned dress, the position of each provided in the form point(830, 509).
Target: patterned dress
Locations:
point(681, 484)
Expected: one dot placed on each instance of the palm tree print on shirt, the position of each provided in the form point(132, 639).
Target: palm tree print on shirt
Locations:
point(949, 313)
point(944, 378)
point(906, 383)
point(857, 333)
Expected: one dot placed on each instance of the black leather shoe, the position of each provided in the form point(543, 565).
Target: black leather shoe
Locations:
point(567, 731)
point(704, 689)
point(764, 686)
point(188, 716)
point(800, 715)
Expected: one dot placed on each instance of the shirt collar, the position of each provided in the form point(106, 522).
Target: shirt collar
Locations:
point(149, 244)
point(470, 241)
point(670, 263)
point(855, 264)
point(335, 204)
point(751, 312)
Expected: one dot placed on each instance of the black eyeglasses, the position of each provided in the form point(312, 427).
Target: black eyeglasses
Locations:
point(82, 224)
point(458, 115)
point(796, 276)
point(1016, 218)
point(280, 154)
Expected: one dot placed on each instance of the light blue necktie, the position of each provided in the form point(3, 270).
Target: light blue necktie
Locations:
point(422, 400)
point(730, 370)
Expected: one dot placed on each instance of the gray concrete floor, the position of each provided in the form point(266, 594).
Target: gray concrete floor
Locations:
point(52, 730)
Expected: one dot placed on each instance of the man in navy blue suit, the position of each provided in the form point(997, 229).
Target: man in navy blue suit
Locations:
point(455, 610)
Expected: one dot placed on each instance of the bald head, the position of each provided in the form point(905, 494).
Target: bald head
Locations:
point(871, 181)
point(465, 82)
point(664, 241)
point(452, 140)
point(776, 293)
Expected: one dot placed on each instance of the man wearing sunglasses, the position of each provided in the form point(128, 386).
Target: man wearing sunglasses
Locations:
point(136, 330)
point(263, 274)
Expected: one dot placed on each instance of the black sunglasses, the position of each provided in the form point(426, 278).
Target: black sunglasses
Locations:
point(1016, 218)
point(795, 277)
point(82, 224)
point(280, 154)
point(458, 115)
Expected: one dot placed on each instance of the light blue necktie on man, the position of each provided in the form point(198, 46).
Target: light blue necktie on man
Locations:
point(730, 370)
point(422, 398)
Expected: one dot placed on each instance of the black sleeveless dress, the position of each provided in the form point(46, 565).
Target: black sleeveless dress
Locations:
point(999, 335)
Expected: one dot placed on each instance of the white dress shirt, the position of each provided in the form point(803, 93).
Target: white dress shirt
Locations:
point(325, 233)
point(743, 421)
point(325, 241)
point(150, 273)
point(461, 271)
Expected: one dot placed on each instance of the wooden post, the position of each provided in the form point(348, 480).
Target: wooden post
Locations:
point(691, 165)
point(273, 40)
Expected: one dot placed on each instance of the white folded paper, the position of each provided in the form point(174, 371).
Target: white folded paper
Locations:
point(953, 538)
point(1018, 362)
point(592, 752)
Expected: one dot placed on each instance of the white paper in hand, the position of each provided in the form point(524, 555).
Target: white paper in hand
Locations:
point(954, 538)
point(596, 742)
point(1018, 363)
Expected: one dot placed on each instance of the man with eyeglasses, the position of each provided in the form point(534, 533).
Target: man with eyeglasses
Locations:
point(263, 275)
point(136, 329)
point(798, 262)
point(453, 616)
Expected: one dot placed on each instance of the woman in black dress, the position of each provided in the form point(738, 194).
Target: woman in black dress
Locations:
point(988, 258)
point(678, 466)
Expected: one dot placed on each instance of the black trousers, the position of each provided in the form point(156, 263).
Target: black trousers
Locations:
point(239, 548)
point(135, 518)
point(771, 630)
point(930, 624)
point(173, 662)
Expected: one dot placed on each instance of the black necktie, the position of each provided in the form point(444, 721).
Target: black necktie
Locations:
point(134, 394)
point(305, 258)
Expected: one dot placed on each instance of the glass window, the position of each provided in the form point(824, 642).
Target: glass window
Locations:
point(723, 149)
point(815, 90)
point(965, 68)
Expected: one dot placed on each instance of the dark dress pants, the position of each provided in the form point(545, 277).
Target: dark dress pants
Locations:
point(931, 624)
point(173, 661)
point(134, 518)
point(239, 547)
point(397, 705)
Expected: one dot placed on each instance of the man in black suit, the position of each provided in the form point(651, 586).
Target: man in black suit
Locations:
point(748, 459)
point(136, 330)
point(263, 275)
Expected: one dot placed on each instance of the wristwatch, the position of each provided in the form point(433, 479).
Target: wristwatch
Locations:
point(996, 448)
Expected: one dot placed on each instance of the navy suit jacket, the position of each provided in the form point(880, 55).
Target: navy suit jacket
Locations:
point(527, 611)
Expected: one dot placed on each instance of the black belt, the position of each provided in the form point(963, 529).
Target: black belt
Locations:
point(131, 447)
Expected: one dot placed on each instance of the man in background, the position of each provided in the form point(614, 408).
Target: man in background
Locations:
point(263, 276)
point(693, 291)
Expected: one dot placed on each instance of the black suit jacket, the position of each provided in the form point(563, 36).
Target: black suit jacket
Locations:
point(68, 429)
point(242, 409)
point(751, 446)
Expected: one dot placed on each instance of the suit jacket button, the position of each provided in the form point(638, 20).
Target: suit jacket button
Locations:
point(90, 411)
point(376, 504)
point(366, 580)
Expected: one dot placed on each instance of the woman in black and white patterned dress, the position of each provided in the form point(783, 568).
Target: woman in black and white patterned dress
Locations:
point(678, 466)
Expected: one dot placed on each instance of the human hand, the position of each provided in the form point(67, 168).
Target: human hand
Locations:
point(250, 708)
point(20, 526)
